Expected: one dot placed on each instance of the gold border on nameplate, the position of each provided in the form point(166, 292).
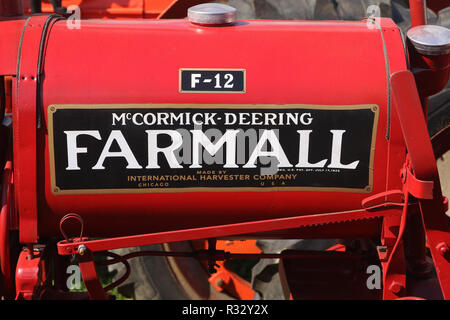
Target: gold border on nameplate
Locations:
point(244, 72)
point(57, 191)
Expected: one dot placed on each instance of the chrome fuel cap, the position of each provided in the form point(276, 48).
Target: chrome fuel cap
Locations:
point(430, 39)
point(212, 14)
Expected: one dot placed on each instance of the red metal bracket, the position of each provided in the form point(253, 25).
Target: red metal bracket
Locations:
point(423, 163)
point(66, 247)
point(392, 256)
point(24, 129)
point(5, 225)
point(394, 264)
point(418, 188)
point(85, 247)
point(30, 274)
point(384, 199)
point(90, 276)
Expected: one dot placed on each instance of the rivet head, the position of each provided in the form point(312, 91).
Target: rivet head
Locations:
point(442, 248)
point(396, 287)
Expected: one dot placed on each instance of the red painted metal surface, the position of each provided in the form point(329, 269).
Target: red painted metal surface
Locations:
point(5, 225)
point(90, 277)
point(25, 120)
point(394, 266)
point(418, 12)
point(71, 246)
point(9, 45)
point(25, 128)
point(30, 275)
point(292, 80)
point(423, 163)
point(302, 69)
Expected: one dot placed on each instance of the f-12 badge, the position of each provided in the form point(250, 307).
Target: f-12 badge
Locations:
point(212, 80)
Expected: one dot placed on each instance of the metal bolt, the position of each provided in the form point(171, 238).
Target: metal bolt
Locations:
point(396, 287)
point(442, 248)
point(82, 249)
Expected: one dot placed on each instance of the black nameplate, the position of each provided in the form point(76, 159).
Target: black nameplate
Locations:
point(185, 148)
point(212, 80)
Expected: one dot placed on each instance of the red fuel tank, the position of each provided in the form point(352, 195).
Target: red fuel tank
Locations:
point(149, 126)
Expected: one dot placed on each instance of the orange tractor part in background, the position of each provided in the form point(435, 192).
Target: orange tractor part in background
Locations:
point(162, 9)
point(123, 9)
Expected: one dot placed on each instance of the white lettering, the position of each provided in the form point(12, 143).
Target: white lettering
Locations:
point(277, 151)
point(229, 138)
point(125, 152)
point(169, 152)
point(336, 152)
point(303, 153)
point(195, 79)
point(73, 150)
